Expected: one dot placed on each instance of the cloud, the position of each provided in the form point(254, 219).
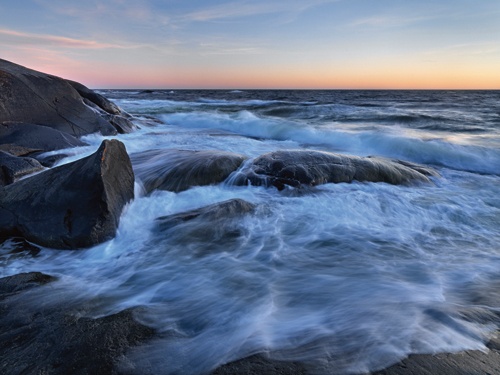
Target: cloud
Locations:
point(239, 9)
point(14, 38)
point(389, 21)
point(467, 49)
point(137, 10)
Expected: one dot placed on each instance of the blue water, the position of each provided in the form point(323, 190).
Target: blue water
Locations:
point(346, 278)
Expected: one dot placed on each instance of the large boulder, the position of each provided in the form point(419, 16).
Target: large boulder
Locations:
point(12, 168)
point(178, 170)
point(72, 206)
point(37, 98)
point(41, 333)
point(309, 168)
point(19, 138)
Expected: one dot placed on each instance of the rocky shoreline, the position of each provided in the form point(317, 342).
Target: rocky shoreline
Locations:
point(78, 205)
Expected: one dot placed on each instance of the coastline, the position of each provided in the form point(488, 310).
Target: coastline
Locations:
point(118, 333)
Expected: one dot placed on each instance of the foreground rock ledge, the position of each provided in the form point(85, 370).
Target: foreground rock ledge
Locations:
point(72, 206)
point(40, 337)
point(300, 168)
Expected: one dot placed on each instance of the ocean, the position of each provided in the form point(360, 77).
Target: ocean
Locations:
point(346, 278)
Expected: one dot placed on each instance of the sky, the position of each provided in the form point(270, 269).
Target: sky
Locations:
point(315, 44)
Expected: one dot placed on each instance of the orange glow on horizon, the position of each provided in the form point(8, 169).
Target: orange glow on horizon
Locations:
point(402, 76)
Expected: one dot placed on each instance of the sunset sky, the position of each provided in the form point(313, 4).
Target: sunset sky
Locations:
point(257, 44)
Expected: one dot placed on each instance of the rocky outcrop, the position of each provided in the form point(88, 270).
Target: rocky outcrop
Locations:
point(72, 206)
point(300, 168)
point(178, 170)
point(37, 337)
point(223, 210)
point(121, 124)
point(15, 284)
point(19, 138)
point(12, 168)
point(37, 98)
point(100, 101)
point(109, 110)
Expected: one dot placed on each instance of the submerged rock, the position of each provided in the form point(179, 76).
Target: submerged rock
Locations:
point(72, 206)
point(121, 124)
point(12, 168)
point(206, 230)
point(37, 98)
point(15, 284)
point(223, 210)
point(44, 335)
point(178, 170)
point(309, 168)
point(19, 138)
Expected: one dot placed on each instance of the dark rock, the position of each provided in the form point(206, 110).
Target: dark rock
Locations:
point(37, 98)
point(149, 120)
point(99, 100)
point(309, 168)
point(178, 170)
point(34, 138)
point(17, 150)
point(47, 161)
point(122, 125)
point(15, 248)
point(223, 210)
point(207, 230)
point(41, 337)
point(22, 281)
point(259, 364)
point(13, 168)
point(461, 363)
point(71, 206)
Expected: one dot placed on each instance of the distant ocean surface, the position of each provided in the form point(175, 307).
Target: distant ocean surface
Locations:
point(346, 278)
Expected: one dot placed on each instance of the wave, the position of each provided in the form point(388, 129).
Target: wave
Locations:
point(396, 142)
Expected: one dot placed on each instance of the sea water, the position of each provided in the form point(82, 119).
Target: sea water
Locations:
point(346, 278)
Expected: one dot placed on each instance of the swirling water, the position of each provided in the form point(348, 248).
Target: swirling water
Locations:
point(347, 278)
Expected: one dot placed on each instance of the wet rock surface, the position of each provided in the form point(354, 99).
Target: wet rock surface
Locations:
point(97, 99)
point(37, 98)
point(223, 210)
point(40, 336)
point(72, 206)
point(20, 138)
point(178, 170)
point(216, 228)
point(300, 168)
point(12, 168)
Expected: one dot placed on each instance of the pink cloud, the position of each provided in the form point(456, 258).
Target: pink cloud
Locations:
point(14, 38)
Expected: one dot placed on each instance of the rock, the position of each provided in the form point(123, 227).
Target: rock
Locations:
point(300, 168)
point(72, 206)
point(207, 230)
point(47, 161)
point(99, 100)
point(34, 138)
point(178, 170)
point(37, 98)
point(122, 125)
point(258, 364)
point(223, 210)
point(462, 363)
point(13, 168)
point(45, 334)
point(22, 281)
